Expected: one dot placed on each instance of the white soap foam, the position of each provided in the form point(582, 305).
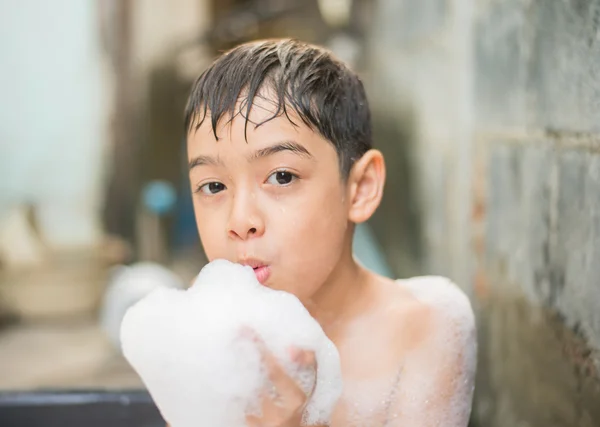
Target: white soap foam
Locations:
point(187, 348)
point(126, 286)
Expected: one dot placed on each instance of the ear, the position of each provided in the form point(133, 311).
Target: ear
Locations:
point(365, 186)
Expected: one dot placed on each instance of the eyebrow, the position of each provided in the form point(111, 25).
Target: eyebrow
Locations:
point(203, 161)
point(292, 146)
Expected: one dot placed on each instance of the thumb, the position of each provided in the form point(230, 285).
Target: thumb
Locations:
point(306, 369)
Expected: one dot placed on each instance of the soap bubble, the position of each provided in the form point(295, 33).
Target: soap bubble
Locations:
point(187, 347)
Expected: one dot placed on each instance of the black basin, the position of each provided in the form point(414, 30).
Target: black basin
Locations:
point(78, 409)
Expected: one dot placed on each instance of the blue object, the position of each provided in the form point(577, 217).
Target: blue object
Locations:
point(159, 197)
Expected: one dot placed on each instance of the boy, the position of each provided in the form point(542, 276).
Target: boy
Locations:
point(282, 168)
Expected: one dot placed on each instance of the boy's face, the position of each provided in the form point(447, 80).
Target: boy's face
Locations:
point(276, 202)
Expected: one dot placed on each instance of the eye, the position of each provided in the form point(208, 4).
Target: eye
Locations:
point(281, 178)
point(212, 188)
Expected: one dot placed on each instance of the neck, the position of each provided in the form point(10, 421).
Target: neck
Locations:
point(342, 296)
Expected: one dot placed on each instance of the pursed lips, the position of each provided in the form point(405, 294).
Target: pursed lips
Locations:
point(261, 269)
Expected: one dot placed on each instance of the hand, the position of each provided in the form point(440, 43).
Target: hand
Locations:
point(283, 401)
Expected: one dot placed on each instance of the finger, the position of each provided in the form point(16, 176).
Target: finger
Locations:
point(310, 363)
point(275, 372)
point(302, 358)
point(253, 421)
point(274, 369)
point(283, 390)
point(285, 394)
point(247, 332)
point(307, 359)
point(306, 370)
point(273, 411)
point(278, 412)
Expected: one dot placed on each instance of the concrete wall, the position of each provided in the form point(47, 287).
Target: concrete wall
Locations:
point(500, 105)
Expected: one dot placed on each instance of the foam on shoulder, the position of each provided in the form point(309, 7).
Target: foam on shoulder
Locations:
point(453, 339)
point(450, 304)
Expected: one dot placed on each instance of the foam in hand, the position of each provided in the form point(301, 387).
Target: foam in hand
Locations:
point(187, 348)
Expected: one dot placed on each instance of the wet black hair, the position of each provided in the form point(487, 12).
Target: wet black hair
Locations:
point(323, 92)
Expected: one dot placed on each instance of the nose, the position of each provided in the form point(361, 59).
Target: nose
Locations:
point(245, 219)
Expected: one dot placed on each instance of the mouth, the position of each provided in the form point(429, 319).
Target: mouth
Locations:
point(261, 269)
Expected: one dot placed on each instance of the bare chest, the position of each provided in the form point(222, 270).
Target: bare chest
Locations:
point(372, 371)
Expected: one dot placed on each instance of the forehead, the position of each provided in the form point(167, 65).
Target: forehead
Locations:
point(264, 125)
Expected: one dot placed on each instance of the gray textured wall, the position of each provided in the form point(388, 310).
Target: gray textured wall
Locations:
point(500, 105)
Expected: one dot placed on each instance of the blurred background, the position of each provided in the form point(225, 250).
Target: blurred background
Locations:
point(487, 112)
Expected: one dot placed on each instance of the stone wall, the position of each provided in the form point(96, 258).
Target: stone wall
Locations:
point(498, 103)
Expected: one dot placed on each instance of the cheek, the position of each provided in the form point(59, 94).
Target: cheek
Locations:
point(320, 212)
point(210, 232)
point(316, 229)
point(328, 214)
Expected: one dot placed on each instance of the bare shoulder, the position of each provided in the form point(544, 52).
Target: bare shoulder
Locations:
point(447, 349)
point(428, 310)
point(436, 348)
point(442, 299)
